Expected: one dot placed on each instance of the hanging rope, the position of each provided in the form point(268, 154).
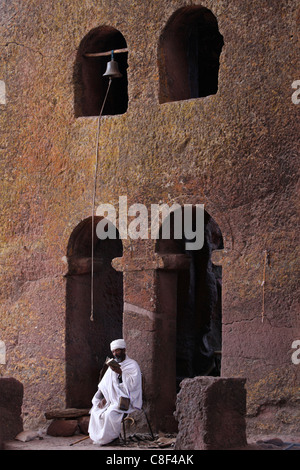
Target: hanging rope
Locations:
point(263, 286)
point(94, 197)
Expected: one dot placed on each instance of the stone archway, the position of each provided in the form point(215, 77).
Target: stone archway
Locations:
point(87, 342)
point(168, 345)
point(190, 303)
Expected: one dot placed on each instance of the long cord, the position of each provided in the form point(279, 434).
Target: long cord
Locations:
point(263, 286)
point(94, 197)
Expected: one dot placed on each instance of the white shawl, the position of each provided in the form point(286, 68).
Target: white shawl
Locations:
point(131, 386)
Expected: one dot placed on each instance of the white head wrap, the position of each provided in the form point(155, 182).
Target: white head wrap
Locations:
point(117, 344)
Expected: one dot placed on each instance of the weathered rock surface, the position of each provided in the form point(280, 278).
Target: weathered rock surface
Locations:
point(211, 414)
point(62, 427)
point(236, 151)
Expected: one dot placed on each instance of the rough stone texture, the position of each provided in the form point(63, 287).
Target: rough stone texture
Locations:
point(236, 151)
point(67, 422)
point(83, 424)
point(11, 397)
point(211, 414)
point(63, 427)
point(68, 413)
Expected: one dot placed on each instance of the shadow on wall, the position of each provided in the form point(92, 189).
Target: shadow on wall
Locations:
point(87, 342)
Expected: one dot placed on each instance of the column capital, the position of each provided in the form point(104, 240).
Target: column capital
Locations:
point(158, 261)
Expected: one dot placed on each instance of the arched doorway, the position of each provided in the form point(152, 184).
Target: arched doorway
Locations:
point(87, 342)
point(195, 295)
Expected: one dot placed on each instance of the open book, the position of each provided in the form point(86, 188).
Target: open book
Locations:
point(111, 362)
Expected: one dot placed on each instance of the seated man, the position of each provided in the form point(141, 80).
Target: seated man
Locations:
point(121, 380)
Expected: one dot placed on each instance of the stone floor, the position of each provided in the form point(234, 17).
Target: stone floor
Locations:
point(138, 442)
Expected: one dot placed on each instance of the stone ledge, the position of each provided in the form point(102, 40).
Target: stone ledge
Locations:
point(68, 413)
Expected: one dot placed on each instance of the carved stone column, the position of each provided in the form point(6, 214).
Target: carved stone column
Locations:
point(149, 327)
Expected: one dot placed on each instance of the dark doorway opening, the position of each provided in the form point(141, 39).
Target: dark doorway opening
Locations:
point(87, 342)
point(89, 84)
point(188, 55)
point(198, 303)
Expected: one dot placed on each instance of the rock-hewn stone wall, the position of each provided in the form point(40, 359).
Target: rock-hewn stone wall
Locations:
point(236, 151)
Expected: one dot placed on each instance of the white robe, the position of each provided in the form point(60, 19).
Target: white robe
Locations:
point(105, 423)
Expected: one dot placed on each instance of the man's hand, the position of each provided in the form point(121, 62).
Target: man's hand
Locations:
point(116, 369)
point(102, 403)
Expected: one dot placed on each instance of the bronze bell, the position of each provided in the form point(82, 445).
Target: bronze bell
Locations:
point(112, 68)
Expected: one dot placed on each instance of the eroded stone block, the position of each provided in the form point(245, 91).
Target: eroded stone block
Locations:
point(211, 413)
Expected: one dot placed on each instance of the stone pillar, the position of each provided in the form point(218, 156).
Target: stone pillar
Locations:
point(211, 414)
point(140, 320)
point(149, 327)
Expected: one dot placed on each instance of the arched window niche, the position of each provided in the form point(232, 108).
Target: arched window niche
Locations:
point(188, 55)
point(89, 84)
